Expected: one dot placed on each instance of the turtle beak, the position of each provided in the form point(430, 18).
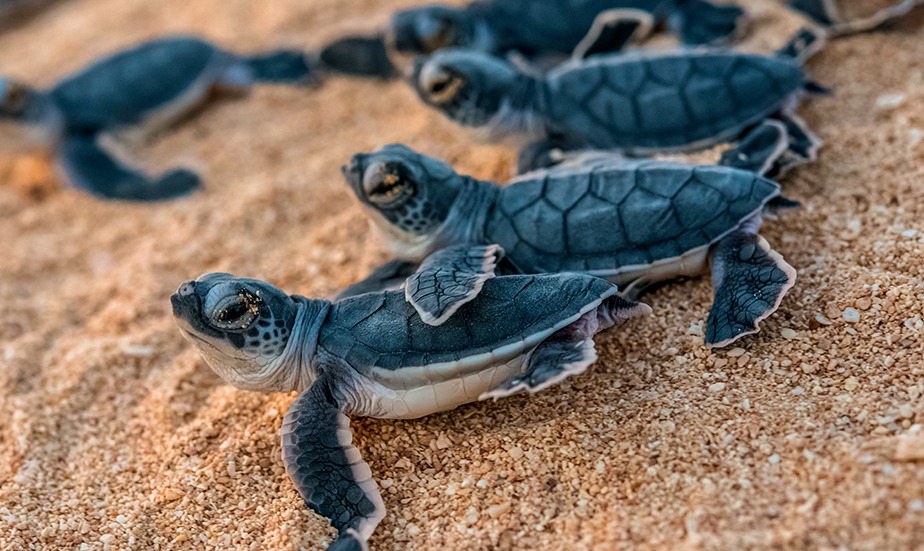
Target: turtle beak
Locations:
point(353, 173)
point(187, 306)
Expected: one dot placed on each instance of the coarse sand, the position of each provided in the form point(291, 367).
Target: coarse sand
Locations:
point(114, 434)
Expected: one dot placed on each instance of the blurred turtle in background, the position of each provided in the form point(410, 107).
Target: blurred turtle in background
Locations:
point(842, 17)
point(148, 86)
point(537, 30)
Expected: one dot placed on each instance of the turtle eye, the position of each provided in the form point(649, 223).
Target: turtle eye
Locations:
point(442, 85)
point(237, 312)
point(387, 183)
point(15, 99)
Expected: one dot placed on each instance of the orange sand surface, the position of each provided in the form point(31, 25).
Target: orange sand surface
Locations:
point(114, 434)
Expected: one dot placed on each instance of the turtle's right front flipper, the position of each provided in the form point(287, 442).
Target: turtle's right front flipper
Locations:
point(327, 469)
point(364, 56)
point(92, 169)
point(390, 275)
point(450, 278)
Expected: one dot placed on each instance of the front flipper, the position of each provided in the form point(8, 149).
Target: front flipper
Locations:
point(360, 56)
point(749, 281)
point(449, 278)
point(760, 149)
point(699, 22)
point(281, 67)
point(327, 469)
point(390, 275)
point(570, 350)
point(613, 30)
point(90, 168)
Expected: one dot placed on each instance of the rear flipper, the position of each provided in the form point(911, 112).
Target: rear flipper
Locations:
point(803, 144)
point(827, 14)
point(360, 56)
point(92, 169)
point(613, 30)
point(281, 67)
point(760, 149)
point(570, 350)
point(749, 281)
point(805, 44)
point(700, 22)
point(390, 275)
point(327, 469)
point(449, 278)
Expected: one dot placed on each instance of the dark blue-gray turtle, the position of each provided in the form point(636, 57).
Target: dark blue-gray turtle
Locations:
point(638, 103)
point(634, 222)
point(373, 355)
point(844, 17)
point(150, 85)
point(538, 30)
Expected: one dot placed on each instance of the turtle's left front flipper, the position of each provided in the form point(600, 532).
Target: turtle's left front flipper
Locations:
point(699, 22)
point(92, 169)
point(327, 469)
point(449, 278)
point(749, 280)
point(281, 67)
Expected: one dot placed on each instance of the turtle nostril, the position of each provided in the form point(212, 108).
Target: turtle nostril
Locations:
point(187, 289)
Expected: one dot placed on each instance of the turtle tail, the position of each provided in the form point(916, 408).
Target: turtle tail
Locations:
point(281, 67)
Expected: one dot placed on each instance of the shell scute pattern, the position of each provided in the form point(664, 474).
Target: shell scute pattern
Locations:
point(391, 335)
point(120, 90)
point(670, 101)
point(623, 217)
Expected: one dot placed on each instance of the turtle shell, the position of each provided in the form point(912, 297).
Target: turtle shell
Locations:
point(551, 25)
point(382, 331)
point(683, 101)
point(615, 217)
point(125, 88)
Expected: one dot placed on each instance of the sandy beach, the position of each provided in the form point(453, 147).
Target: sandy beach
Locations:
point(116, 435)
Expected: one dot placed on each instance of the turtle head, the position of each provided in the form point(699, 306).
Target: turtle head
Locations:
point(240, 326)
point(411, 194)
point(467, 86)
point(28, 117)
point(426, 29)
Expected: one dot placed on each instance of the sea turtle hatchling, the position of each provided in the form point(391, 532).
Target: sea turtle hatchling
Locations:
point(149, 85)
point(843, 17)
point(634, 222)
point(636, 103)
point(372, 355)
point(536, 29)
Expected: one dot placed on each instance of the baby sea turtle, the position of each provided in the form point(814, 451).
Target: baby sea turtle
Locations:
point(534, 29)
point(372, 355)
point(637, 103)
point(152, 84)
point(843, 17)
point(634, 222)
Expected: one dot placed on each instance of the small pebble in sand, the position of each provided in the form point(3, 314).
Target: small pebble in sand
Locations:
point(851, 384)
point(516, 452)
point(716, 387)
point(499, 510)
point(887, 102)
point(788, 334)
point(864, 304)
point(910, 447)
point(851, 315)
